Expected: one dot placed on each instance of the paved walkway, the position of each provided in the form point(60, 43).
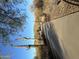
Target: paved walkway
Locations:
point(67, 29)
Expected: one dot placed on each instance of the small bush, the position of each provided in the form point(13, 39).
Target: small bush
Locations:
point(39, 4)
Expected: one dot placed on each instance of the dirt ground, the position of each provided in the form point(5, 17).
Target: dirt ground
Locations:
point(59, 10)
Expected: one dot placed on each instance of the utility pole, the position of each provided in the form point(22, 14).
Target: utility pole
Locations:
point(25, 38)
point(27, 46)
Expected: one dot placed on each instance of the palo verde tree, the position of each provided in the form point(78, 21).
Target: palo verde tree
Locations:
point(11, 19)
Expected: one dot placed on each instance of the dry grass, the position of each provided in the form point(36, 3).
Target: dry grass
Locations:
point(40, 51)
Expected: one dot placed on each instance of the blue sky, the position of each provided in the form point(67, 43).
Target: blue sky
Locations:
point(22, 53)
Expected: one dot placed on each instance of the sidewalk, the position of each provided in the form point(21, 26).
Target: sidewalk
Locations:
point(67, 29)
